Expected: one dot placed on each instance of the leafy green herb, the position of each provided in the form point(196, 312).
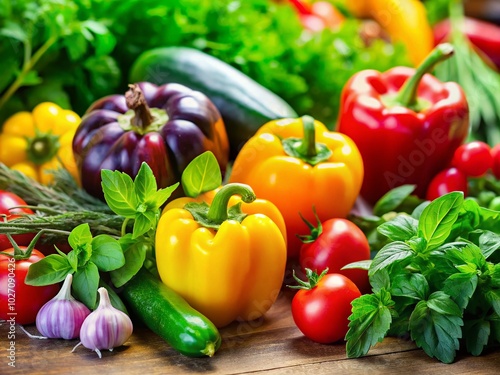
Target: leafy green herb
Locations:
point(436, 279)
point(88, 256)
point(201, 175)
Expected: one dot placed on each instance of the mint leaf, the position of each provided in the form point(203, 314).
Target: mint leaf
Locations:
point(201, 175)
point(119, 192)
point(477, 333)
point(380, 280)
point(438, 217)
point(489, 242)
point(85, 284)
point(390, 253)
point(401, 228)
point(411, 285)
point(107, 253)
point(144, 183)
point(493, 297)
point(368, 323)
point(135, 255)
point(435, 326)
point(49, 270)
point(392, 199)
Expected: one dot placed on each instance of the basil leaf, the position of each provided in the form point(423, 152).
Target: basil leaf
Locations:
point(135, 255)
point(437, 219)
point(80, 236)
point(107, 253)
point(460, 287)
point(369, 322)
point(389, 254)
point(144, 222)
point(401, 228)
point(489, 243)
point(201, 175)
point(392, 199)
point(85, 284)
point(144, 183)
point(158, 198)
point(119, 192)
point(49, 270)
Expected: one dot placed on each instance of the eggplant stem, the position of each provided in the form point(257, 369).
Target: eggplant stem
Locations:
point(137, 102)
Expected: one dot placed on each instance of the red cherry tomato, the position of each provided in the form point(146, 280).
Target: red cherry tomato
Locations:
point(338, 242)
point(19, 301)
point(495, 154)
point(473, 158)
point(9, 200)
point(446, 181)
point(322, 313)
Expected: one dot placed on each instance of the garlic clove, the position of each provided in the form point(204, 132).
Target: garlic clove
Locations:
point(106, 327)
point(62, 316)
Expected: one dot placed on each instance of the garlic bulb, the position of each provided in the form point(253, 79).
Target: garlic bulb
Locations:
point(106, 327)
point(62, 316)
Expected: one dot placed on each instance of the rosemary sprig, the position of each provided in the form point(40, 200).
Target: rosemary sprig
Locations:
point(64, 195)
point(59, 208)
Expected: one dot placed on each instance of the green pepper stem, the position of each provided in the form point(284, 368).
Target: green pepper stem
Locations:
point(307, 146)
point(137, 102)
point(218, 209)
point(407, 95)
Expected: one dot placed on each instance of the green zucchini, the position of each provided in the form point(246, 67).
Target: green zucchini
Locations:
point(244, 104)
point(168, 315)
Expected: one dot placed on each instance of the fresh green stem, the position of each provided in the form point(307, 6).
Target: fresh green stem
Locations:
point(124, 226)
point(315, 230)
point(312, 279)
point(307, 146)
point(29, 63)
point(218, 209)
point(407, 95)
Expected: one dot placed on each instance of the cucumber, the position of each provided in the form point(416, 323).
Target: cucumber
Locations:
point(168, 315)
point(244, 104)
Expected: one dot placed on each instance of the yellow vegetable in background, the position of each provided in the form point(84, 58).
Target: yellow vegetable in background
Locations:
point(39, 141)
point(405, 21)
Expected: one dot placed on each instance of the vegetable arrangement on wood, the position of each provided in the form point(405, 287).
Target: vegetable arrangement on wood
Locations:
point(182, 204)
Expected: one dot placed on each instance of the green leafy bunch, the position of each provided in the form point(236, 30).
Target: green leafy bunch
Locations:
point(54, 50)
point(138, 201)
point(437, 279)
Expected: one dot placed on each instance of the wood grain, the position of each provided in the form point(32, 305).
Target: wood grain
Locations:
point(272, 345)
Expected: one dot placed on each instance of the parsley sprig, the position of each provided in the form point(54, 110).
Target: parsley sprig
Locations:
point(436, 279)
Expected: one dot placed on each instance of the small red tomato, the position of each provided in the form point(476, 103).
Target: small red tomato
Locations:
point(19, 301)
point(495, 168)
point(9, 200)
point(446, 181)
point(334, 244)
point(321, 308)
point(473, 158)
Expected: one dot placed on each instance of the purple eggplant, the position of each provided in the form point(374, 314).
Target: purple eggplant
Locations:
point(165, 126)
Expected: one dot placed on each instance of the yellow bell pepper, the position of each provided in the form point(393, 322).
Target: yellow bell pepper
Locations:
point(404, 20)
point(36, 143)
point(298, 164)
point(226, 265)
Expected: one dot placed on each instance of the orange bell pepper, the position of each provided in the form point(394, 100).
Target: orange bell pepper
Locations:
point(297, 164)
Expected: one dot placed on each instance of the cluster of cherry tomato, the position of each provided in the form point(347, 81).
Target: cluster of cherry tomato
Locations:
point(322, 307)
point(471, 160)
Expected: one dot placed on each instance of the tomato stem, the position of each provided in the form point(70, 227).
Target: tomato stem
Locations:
point(315, 230)
point(312, 279)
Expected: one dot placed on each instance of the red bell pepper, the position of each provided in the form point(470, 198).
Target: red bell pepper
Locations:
point(485, 36)
point(406, 124)
point(318, 15)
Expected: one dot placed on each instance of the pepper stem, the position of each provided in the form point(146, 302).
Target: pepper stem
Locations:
point(407, 95)
point(137, 102)
point(218, 209)
point(307, 146)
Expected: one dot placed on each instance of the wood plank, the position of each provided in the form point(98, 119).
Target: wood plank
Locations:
point(270, 345)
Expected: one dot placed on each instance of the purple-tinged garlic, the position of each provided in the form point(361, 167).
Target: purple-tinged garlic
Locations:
point(62, 316)
point(106, 327)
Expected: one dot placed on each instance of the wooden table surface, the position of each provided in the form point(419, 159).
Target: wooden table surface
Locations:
point(272, 345)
